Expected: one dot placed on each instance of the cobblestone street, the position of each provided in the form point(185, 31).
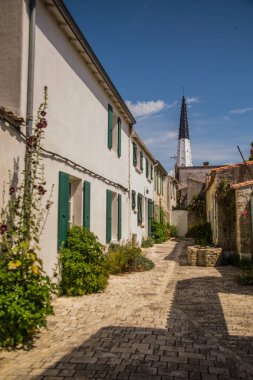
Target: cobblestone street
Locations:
point(173, 322)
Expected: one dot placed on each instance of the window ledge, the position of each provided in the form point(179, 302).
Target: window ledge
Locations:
point(139, 171)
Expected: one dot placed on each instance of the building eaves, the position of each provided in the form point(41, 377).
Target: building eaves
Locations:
point(226, 167)
point(162, 168)
point(67, 23)
point(138, 139)
point(242, 184)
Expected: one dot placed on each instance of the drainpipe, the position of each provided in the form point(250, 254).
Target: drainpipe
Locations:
point(29, 115)
point(30, 73)
point(130, 185)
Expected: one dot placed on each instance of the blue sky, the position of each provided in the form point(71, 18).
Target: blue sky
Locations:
point(153, 48)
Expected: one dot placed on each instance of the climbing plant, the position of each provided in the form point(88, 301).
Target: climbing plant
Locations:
point(25, 289)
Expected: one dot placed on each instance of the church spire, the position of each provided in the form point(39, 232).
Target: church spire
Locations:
point(184, 145)
point(183, 128)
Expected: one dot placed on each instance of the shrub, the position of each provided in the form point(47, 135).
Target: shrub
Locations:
point(83, 264)
point(25, 289)
point(246, 263)
point(126, 258)
point(25, 302)
point(172, 230)
point(160, 232)
point(201, 232)
point(146, 243)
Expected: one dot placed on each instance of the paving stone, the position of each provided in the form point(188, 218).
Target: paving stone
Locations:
point(173, 322)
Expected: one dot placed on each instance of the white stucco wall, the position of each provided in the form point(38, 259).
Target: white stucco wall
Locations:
point(77, 128)
point(179, 219)
point(140, 184)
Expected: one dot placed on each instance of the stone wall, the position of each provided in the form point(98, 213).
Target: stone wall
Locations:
point(244, 238)
point(204, 256)
point(196, 172)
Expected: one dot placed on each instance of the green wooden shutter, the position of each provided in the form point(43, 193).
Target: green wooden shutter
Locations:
point(147, 168)
point(119, 216)
point(151, 171)
point(108, 216)
point(63, 208)
point(141, 161)
point(150, 215)
point(86, 204)
point(133, 199)
point(139, 209)
point(134, 154)
point(110, 116)
point(119, 137)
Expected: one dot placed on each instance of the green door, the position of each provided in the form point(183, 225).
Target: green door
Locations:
point(63, 208)
point(86, 204)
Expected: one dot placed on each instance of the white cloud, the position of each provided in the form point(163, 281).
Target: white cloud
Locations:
point(192, 99)
point(241, 110)
point(226, 117)
point(148, 108)
point(172, 135)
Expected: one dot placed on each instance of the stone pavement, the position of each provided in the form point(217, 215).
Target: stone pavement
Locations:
point(173, 322)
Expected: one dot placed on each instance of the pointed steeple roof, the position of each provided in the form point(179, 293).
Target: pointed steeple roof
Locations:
point(183, 128)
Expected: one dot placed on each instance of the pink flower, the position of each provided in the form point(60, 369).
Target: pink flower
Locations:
point(41, 190)
point(43, 113)
point(11, 190)
point(3, 228)
point(245, 213)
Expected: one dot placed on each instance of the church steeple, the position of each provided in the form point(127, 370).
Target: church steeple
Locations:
point(184, 145)
point(183, 128)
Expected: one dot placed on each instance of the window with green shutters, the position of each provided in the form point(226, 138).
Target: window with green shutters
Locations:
point(139, 209)
point(119, 216)
point(150, 215)
point(110, 125)
point(86, 204)
point(147, 168)
point(119, 137)
point(63, 208)
point(108, 216)
point(134, 154)
point(141, 161)
point(133, 199)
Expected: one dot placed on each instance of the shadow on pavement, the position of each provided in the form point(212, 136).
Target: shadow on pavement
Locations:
point(208, 336)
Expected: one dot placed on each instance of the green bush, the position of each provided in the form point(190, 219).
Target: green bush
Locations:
point(146, 243)
point(246, 263)
point(201, 232)
point(159, 232)
point(172, 230)
point(83, 264)
point(25, 302)
point(126, 258)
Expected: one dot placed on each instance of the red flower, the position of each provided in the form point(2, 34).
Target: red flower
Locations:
point(43, 113)
point(245, 213)
point(3, 228)
point(41, 190)
point(11, 190)
point(31, 141)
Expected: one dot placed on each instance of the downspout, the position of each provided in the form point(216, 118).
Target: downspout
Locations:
point(130, 185)
point(30, 72)
point(29, 116)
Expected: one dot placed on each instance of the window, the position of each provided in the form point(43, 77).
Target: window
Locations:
point(114, 131)
point(139, 209)
point(134, 154)
point(133, 199)
point(141, 161)
point(147, 168)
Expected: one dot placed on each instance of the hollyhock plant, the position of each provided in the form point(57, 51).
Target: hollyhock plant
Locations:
point(26, 291)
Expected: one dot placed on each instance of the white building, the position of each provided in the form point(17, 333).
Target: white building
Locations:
point(88, 122)
point(141, 188)
point(94, 155)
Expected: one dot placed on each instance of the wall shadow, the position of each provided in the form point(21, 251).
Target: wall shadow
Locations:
point(207, 337)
